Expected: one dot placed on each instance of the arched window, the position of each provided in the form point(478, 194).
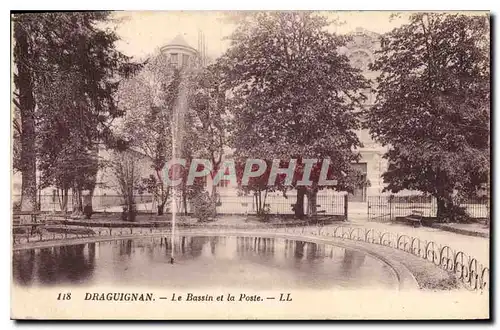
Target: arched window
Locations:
point(185, 60)
point(174, 59)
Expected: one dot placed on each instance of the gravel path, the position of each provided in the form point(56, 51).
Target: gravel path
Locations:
point(477, 247)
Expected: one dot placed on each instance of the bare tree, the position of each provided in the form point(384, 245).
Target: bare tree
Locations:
point(127, 174)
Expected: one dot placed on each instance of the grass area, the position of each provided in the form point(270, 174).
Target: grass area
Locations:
point(428, 275)
point(70, 230)
point(54, 230)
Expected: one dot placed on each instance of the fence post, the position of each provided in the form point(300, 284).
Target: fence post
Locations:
point(345, 206)
point(367, 208)
point(390, 207)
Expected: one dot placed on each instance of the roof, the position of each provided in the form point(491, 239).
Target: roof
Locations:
point(179, 41)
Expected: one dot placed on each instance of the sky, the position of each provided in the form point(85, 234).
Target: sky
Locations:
point(143, 32)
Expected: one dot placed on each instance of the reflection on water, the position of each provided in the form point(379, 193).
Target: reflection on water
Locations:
point(65, 264)
point(252, 262)
point(352, 260)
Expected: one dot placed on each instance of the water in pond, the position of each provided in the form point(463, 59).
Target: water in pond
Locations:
point(246, 262)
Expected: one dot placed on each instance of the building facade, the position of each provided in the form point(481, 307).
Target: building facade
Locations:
point(361, 51)
point(180, 54)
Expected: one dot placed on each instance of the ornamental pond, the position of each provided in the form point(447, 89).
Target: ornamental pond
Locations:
point(203, 262)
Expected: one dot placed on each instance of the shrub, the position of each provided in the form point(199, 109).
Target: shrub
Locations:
point(203, 207)
point(132, 213)
point(459, 214)
point(87, 210)
point(124, 215)
point(456, 213)
point(129, 214)
point(264, 212)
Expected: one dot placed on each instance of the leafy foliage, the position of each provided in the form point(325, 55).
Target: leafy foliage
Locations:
point(148, 100)
point(203, 207)
point(67, 66)
point(292, 94)
point(208, 113)
point(432, 106)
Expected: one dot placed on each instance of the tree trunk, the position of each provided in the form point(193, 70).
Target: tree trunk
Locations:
point(27, 113)
point(131, 205)
point(445, 208)
point(87, 200)
point(184, 200)
point(214, 192)
point(259, 201)
point(161, 208)
point(80, 200)
point(440, 212)
point(92, 198)
point(265, 198)
point(63, 202)
point(74, 202)
point(311, 202)
point(256, 203)
point(165, 192)
point(93, 179)
point(77, 200)
point(163, 199)
point(299, 204)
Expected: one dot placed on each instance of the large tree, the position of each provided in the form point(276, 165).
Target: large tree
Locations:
point(292, 94)
point(432, 106)
point(66, 158)
point(24, 101)
point(66, 73)
point(209, 115)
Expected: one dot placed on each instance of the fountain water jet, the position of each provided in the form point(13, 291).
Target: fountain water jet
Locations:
point(177, 131)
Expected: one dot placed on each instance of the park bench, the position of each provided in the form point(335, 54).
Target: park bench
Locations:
point(34, 223)
point(35, 227)
point(33, 214)
point(38, 221)
point(415, 218)
point(317, 207)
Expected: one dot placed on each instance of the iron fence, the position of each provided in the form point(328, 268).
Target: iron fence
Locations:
point(467, 269)
point(476, 207)
point(382, 208)
point(325, 204)
point(225, 204)
point(100, 203)
point(388, 207)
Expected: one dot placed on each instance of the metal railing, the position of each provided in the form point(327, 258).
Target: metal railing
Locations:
point(389, 207)
point(325, 204)
point(467, 269)
point(226, 204)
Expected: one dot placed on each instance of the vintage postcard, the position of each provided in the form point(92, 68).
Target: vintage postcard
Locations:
point(260, 165)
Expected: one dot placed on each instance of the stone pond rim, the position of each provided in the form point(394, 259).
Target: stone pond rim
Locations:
point(405, 277)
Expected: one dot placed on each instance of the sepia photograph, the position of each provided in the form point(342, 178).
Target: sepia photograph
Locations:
point(250, 165)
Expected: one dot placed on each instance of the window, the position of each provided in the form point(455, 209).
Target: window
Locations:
point(223, 183)
point(174, 58)
point(359, 193)
point(185, 60)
